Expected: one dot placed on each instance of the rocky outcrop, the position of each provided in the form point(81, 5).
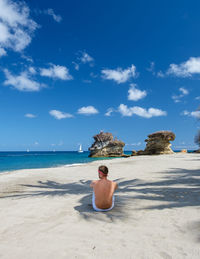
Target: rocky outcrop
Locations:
point(159, 143)
point(140, 152)
point(106, 146)
point(134, 153)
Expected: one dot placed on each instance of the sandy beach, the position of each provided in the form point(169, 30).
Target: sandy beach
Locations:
point(47, 213)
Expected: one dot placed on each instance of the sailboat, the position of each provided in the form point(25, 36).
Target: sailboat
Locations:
point(80, 149)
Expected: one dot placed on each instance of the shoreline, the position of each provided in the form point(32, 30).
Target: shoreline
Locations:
point(83, 163)
point(82, 160)
point(59, 166)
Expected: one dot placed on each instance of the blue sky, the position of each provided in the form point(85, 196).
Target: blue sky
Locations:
point(69, 69)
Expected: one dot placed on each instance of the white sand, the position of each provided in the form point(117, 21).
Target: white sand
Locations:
point(47, 213)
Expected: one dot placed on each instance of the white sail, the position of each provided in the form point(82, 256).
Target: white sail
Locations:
point(80, 149)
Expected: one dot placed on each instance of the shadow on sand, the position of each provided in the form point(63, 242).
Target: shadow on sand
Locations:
point(176, 188)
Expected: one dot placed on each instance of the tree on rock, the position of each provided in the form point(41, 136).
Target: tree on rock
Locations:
point(106, 146)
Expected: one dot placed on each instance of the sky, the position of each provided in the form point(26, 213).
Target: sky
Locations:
point(69, 69)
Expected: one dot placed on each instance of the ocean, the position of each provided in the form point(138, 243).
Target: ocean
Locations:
point(28, 160)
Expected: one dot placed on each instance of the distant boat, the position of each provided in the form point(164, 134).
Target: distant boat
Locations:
point(80, 149)
point(27, 150)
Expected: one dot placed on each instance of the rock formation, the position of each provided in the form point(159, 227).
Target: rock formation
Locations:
point(159, 143)
point(106, 146)
point(140, 152)
point(134, 153)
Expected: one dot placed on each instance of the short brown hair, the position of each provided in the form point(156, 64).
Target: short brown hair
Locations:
point(103, 169)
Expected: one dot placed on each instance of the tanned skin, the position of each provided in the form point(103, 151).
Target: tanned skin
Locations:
point(103, 190)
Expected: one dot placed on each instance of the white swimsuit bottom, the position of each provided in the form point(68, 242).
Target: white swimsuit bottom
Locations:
point(97, 209)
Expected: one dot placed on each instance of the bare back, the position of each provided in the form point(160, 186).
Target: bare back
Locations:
point(103, 190)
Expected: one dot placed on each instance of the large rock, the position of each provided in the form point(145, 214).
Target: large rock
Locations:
point(159, 143)
point(134, 153)
point(106, 146)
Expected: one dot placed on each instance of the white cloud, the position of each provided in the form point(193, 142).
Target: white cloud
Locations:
point(2, 52)
point(83, 58)
point(27, 58)
point(197, 98)
point(32, 70)
point(86, 58)
point(56, 71)
point(30, 115)
point(22, 82)
point(160, 74)
point(146, 113)
point(60, 115)
point(195, 114)
point(125, 111)
point(16, 26)
point(109, 112)
point(56, 17)
point(183, 91)
point(151, 68)
point(88, 110)
point(185, 113)
point(135, 94)
point(76, 65)
point(177, 98)
point(185, 69)
point(119, 75)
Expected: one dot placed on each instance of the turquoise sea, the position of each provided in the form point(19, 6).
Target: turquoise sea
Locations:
point(27, 160)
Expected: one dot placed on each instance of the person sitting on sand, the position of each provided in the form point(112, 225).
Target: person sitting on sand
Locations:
point(103, 190)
